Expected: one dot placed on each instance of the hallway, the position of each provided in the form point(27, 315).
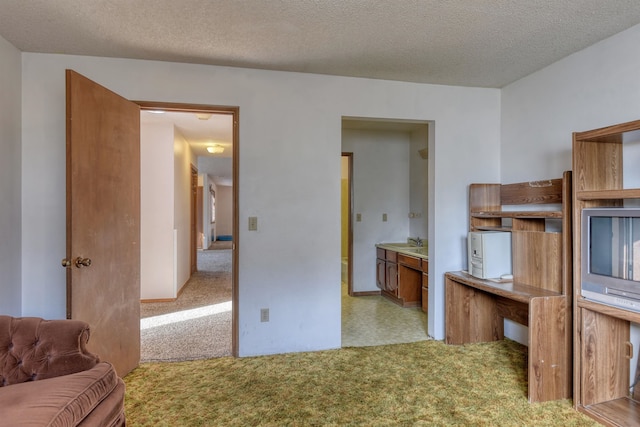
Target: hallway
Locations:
point(197, 325)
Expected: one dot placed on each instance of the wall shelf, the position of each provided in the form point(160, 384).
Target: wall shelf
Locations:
point(517, 214)
point(632, 193)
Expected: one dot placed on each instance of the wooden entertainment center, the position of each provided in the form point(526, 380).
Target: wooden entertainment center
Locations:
point(539, 296)
point(602, 345)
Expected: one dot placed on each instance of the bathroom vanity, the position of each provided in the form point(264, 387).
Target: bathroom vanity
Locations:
point(402, 273)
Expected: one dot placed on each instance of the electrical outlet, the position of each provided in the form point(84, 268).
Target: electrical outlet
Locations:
point(384, 217)
point(358, 217)
point(253, 223)
point(264, 314)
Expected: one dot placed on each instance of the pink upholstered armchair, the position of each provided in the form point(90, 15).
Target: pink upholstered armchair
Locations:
point(48, 378)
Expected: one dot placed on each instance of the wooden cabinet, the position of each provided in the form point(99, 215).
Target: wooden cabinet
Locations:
point(425, 285)
point(387, 270)
point(601, 332)
point(399, 277)
point(539, 296)
point(409, 281)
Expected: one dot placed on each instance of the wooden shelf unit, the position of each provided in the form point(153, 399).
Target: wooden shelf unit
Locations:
point(539, 296)
point(601, 332)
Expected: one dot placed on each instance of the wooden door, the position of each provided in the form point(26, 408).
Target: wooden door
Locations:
point(103, 219)
point(193, 251)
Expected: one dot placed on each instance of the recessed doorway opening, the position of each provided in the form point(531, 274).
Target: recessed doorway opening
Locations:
point(191, 290)
point(386, 178)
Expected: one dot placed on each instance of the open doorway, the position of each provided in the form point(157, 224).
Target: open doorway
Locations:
point(192, 153)
point(388, 176)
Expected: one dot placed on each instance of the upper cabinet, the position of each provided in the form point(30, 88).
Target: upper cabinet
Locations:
point(541, 250)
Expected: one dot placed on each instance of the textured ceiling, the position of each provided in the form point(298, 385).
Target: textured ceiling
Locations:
point(483, 43)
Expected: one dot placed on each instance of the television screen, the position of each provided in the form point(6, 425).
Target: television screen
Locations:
point(610, 256)
point(614, 249)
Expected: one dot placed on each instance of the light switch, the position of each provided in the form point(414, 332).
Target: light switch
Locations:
point(358, 217)
point(384, 217)
point(253, 223)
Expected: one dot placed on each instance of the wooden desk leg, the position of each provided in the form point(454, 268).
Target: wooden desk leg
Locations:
point(470, 315)
point(550, 366)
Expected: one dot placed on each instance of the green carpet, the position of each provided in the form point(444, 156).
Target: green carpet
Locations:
point(419, 384)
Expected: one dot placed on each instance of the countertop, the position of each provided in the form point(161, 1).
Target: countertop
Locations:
point(407, 249)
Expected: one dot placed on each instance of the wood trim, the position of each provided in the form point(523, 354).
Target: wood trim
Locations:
point(597, 135)
point(187, 107)
point(145, 301)
point(193, 216)
point(365, 293)
point(235, 314)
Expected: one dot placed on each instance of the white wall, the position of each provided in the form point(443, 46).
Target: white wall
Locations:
point(207, 228)
point(224, 210)
point(380, 185)
point(419, 185)
point(156, 212)
point(596, 87)
point(10, 180)
point(183, 160)
point(290, 140)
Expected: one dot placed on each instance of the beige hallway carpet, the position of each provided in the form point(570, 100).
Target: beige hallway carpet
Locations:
point(197, 325)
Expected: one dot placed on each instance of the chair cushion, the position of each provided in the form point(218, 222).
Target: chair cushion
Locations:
point(60, 401)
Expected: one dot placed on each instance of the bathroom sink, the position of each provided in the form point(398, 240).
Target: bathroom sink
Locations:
point(401, 245)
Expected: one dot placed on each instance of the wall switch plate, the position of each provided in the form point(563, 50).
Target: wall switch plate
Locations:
point(253, 223)
point(264, 314)
point(358, 217)
point(384, 217)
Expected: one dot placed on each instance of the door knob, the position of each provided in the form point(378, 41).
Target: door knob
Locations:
point(79, 262)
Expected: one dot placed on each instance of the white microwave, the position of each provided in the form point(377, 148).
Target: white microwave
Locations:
point(489, 253)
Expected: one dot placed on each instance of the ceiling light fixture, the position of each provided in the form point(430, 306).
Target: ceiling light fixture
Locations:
point(203, 116)
point(215, 149)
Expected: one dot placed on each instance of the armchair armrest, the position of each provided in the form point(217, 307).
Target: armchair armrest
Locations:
point(34, 349)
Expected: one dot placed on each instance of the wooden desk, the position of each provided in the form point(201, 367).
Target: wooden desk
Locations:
point(475, 310)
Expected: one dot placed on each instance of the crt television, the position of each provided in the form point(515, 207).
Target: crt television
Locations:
point(611, 256)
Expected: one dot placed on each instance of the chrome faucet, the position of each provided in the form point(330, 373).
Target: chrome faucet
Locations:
point(415, 240)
